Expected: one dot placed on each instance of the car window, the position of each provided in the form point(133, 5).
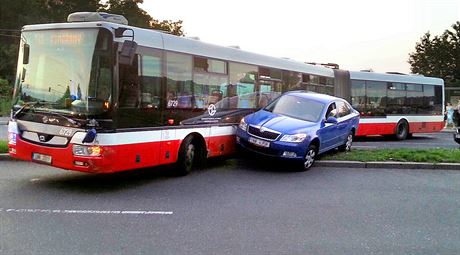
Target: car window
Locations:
point(331, 111)
point(343, 108)
point(297, 107)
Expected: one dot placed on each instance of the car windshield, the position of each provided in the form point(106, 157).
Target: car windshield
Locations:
point(297, 107)
point(68, 71)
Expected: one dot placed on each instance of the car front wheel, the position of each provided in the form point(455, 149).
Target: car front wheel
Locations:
point(309, 158)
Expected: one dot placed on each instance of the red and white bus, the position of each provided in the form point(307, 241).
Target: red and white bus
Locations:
point(97, 95)
point(397, 105)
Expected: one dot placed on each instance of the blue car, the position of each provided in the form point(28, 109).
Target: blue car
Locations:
point(298, 126)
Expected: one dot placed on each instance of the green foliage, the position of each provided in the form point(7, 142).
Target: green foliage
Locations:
point(6, 93)
point(140, 18)
point(437, 155)
point(438, 56)
point(3, 146)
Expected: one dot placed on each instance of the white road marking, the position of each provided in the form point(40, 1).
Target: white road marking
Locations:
point(59, 211)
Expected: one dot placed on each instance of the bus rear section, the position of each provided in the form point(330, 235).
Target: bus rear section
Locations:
point(397, 105)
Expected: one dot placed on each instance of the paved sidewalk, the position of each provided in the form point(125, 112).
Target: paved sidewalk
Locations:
point(4, 120)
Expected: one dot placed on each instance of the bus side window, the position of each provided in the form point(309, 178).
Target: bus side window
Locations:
point(150, 79)
point(129, 93)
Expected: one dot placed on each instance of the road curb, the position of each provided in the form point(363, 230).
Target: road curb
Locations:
point(5, 157)
point(387, 165)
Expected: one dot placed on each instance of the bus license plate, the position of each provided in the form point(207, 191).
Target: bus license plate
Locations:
point(259, 142)
point(42, 158)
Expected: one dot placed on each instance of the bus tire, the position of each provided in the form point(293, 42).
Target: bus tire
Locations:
point(187, 156)
point(402, 130)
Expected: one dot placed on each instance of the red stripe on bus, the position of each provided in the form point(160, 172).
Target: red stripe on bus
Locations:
point(389, 128)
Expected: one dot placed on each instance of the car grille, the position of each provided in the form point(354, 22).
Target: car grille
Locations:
point(267, 134)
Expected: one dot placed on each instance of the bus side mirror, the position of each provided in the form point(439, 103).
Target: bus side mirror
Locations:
point(25, 57)
point(127, 53)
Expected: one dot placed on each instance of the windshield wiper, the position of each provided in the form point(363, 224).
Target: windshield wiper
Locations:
point(28, 104)
point(70, 120)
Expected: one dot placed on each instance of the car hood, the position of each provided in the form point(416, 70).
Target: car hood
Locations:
point(277, 122)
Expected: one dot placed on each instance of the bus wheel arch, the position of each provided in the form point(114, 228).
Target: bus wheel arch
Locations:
point(192, 153)
point(402, 130)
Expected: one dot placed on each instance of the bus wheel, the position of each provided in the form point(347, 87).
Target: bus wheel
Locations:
point(186, 159)
point(402, 130)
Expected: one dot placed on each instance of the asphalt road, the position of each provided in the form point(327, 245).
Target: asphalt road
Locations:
point(231, 207)
point(432, 140)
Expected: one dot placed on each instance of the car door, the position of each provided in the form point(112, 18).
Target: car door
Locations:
point(344, 121)
point(328, 131)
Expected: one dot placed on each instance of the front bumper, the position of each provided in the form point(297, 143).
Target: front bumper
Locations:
point(61, 157)
point(277, 149)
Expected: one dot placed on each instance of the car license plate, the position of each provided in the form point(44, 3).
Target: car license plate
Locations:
point(42, 158)
point(259, 142)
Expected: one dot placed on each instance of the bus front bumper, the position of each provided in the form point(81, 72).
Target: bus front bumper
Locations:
point(61, 157)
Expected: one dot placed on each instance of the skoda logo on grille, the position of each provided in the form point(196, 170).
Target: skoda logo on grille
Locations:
point(263, 129)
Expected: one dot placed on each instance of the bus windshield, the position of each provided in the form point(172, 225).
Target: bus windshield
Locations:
point(68, 71)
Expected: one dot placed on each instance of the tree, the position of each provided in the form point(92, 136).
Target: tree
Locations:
point(140, 18)
point(438, 56)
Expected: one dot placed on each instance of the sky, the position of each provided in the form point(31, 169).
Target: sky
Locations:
point(356, 34)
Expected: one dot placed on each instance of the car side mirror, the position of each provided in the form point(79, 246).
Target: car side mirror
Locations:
point(332, 120)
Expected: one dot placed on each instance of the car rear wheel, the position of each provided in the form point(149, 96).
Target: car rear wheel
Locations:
point(347, 145)
point(309, 158)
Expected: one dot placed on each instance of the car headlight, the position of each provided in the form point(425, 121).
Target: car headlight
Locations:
point(243, 125)
point(297, 138)
point(82, 150)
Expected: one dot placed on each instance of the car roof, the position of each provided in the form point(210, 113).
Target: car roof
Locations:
point(313, 95)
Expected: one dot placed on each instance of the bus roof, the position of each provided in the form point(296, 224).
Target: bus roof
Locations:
point(161, 40)
point(416, 79)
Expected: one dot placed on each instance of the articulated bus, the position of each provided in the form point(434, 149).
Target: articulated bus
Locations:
point(96, 95)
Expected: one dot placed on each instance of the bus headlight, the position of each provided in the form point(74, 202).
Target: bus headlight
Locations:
point(12, 138)
point(243, 125)
point(297, 138)
point(82, 150)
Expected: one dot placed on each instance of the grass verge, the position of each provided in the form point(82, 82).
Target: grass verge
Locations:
point(3, 146)
point(399, 155)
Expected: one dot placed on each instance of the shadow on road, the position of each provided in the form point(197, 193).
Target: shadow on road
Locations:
point(100, 183)
point(380, 138)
